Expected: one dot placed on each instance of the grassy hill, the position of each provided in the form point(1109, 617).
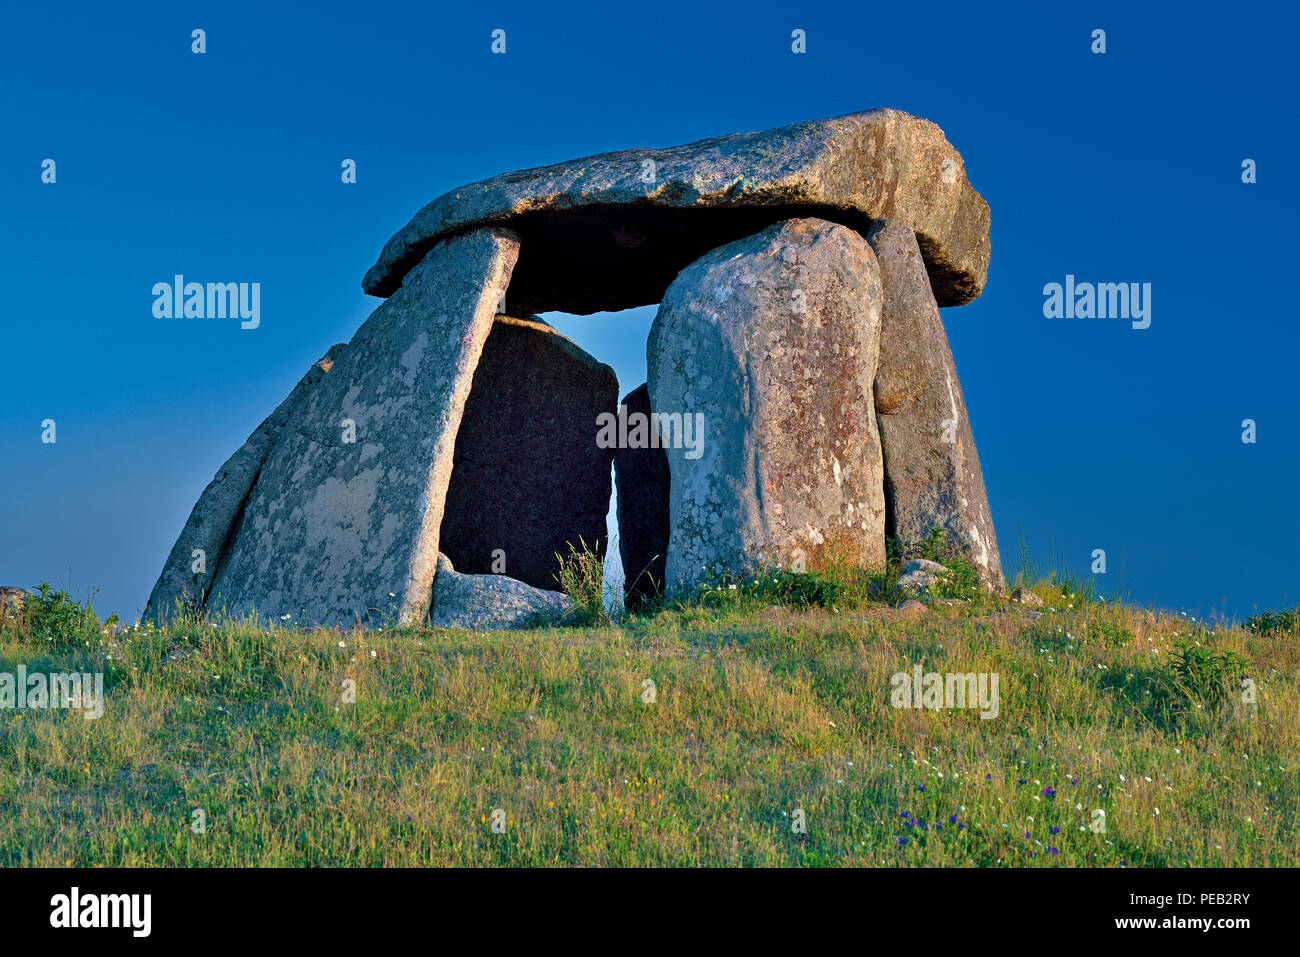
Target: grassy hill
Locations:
point(770, 709)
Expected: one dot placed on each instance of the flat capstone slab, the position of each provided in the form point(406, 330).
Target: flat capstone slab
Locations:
point(612, 231)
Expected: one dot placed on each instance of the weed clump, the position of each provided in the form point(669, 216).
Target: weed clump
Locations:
point(1204, 677)
point(1274, 622)
point(53, 619)
point(581, 577)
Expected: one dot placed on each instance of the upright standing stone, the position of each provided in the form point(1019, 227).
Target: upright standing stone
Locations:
point(529, 478)
point(196, 557)
point(344, 520)
point(641, 481)
point(772, 342)
point(932, 472)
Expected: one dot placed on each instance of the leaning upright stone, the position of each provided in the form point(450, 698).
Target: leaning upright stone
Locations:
point(932, 472)
point(772, 341)
point(343, 523)
point(196, 557)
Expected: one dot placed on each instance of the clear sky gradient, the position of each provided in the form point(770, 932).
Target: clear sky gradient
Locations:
point(225, 166)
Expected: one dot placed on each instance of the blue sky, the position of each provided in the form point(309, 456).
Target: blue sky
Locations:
point(1122, 167)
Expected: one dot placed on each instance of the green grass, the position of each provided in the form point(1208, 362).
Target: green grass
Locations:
point(762, 706)
point(840, 586)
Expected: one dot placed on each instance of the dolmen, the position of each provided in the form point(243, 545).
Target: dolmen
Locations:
point(802, 405)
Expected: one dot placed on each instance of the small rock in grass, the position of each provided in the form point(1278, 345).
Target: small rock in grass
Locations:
point(491, 601)
point(12, 599)
point(1026, 599)
point(920, 575)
